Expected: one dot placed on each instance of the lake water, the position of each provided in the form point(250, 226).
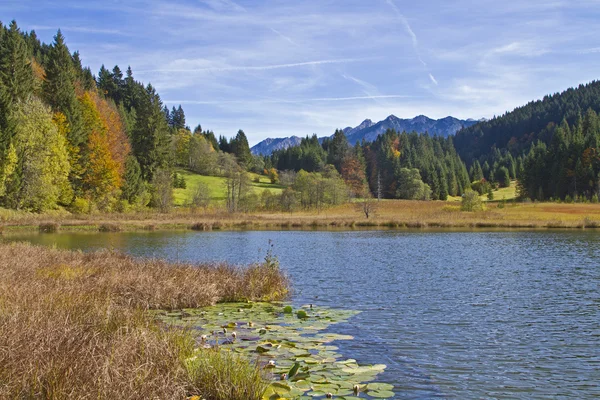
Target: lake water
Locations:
point(453, 314)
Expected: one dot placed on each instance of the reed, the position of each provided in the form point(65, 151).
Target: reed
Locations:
point(76, 326)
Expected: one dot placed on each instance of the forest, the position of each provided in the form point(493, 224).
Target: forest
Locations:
point(552, 144)
point(71, 139)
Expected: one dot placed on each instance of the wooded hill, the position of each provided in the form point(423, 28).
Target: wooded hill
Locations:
point(553, 141)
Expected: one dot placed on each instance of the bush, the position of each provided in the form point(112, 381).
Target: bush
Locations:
point(482, 187)
point(201, 226)
point(179, 181)
point(595, 199)
point(80, 206)
point(201, 196)
point(49, 227)
point(109, 228)
point(471, 202)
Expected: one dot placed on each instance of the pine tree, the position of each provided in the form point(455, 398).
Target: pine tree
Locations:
point(16, 83)
point(241, 149)
point(338, 148)
point(133, 186)
point(150, 136)
point(59, 88)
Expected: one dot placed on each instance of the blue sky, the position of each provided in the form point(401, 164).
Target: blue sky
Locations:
point(286, 67)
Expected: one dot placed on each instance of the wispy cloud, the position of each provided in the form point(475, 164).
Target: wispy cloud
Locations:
point(279, 101)
point(79, 29)
point(275, 31)
point(407, 27)
point(433, 80)
point(593, 50)
point(525, 49)
point(255, 68)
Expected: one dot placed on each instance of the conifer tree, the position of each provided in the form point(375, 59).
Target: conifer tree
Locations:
point(150, 136)
point(59, 88)
point(241, 149)
point(16, 83)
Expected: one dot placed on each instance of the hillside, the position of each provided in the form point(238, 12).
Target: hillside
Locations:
point(216, 186)
point(517, 130)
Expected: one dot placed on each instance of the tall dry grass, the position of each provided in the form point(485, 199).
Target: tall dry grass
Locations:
point(388, 214)
point(76, 326)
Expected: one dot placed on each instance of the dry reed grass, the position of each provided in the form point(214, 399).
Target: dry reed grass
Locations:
point(389, 214)
point(75, 326)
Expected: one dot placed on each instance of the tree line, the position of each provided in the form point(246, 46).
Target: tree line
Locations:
point(396, 165)
point(550, 146)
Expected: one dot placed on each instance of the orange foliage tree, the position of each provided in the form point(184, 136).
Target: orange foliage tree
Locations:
point(354, 174)
point(106, 149)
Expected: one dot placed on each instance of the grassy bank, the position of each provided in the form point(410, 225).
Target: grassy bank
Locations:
point(216, 185)
point(389, 214)
point(76, 326)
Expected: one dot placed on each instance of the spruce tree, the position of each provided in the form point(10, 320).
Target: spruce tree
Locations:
point(59, 88)
point(16, 84)
point(150, 136)
point(241, 149)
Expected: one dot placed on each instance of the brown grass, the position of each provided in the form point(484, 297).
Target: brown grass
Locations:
point(75, 326)
point(395, 214)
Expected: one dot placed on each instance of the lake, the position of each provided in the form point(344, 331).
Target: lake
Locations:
point(453, 314)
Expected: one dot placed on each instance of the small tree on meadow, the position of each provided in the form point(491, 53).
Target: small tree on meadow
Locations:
point(471, 202)
point(162, 190)
point(366, 204)
point(201, 197)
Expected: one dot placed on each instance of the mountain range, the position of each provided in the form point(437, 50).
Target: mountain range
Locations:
point(369, 131)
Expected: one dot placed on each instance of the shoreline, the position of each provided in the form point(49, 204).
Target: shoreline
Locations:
point(390, 215)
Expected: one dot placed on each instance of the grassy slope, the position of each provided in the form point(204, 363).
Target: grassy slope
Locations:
point(217, 186)
point(508, 193)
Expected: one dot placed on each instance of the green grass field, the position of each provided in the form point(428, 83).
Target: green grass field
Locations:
point(508, 193)
point(217, 186)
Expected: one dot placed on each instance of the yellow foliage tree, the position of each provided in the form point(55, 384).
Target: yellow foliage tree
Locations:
point(106, 150)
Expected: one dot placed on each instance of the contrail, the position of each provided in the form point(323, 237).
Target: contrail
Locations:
point(413, 36)
point(282, 36)
point(276, 101)
point(408, 29)
point(259, 68)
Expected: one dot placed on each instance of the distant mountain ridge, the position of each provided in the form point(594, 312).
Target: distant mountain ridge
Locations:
point(441, 127)
point(369, 131)
point(268, 146)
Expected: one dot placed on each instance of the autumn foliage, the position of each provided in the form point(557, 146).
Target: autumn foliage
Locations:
point(107, 147)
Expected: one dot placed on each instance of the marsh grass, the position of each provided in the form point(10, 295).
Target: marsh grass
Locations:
point(77, 326)
point(390, 214)
point(109, 227)
point(230, 376)
point(49, 227)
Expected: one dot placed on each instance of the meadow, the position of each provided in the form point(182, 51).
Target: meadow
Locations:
point(502, 212)
point(216, 185)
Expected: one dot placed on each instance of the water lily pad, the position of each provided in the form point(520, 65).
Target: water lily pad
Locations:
point(297, 348)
